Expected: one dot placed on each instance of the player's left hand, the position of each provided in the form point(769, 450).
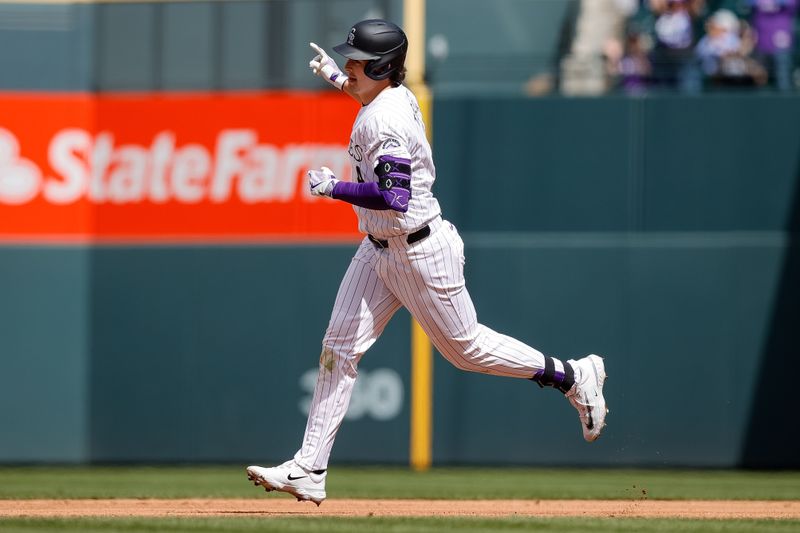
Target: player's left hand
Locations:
point(322, 182)
point(326, 68)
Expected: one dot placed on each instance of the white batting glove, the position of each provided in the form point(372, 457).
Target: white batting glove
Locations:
point(322, 182)
point(326, 68)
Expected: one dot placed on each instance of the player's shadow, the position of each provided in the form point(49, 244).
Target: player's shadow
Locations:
point(773, 431)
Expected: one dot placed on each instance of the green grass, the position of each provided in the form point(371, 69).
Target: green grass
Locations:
point(346, 525)
point(439, 483)
point(349, 482)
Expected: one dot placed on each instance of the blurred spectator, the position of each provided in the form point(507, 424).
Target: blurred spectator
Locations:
point(673, 54)
point(724, 51)
point(599, 22)
point(773, 23)
point(629, 64)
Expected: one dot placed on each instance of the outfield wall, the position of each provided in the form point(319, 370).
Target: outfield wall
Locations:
point(660, 232)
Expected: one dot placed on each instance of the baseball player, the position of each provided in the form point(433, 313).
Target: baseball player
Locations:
point(410, 257)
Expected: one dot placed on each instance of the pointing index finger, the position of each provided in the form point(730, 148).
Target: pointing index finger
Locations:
point(317, 49)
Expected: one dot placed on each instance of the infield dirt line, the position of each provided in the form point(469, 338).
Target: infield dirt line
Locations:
point(274, 507)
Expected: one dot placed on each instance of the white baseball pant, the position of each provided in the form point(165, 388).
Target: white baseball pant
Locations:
point(426, 277)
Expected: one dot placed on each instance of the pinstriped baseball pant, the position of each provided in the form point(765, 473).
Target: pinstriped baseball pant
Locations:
point(427, 278)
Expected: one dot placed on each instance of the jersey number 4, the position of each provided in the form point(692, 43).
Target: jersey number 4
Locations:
point(359, 177)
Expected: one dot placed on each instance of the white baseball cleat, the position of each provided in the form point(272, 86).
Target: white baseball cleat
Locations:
point(587, 395)
point(290, 477)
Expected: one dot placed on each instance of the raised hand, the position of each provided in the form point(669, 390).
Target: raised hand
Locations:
point(326, 68)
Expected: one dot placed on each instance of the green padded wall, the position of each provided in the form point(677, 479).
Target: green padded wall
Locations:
point(660, 232)
point(44, 353)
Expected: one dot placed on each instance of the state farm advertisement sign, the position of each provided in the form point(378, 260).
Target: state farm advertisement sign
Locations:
point(155, 167)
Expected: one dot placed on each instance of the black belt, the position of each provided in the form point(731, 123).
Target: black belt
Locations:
point(418, 235)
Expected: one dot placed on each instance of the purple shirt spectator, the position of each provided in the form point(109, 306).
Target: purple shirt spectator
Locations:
point(773, 21)
point(634, 73)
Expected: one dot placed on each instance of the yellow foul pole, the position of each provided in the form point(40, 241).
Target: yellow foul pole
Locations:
point(421, 438)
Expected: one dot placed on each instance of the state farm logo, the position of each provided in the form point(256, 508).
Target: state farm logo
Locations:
point(20, 179)
point(91, 166)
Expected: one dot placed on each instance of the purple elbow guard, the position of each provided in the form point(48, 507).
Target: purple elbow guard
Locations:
point(394, 181)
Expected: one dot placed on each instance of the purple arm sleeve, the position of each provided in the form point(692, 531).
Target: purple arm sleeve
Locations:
point(372, 196)
point(361, 194)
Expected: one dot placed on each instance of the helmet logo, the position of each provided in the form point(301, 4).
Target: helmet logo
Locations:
point(351, 36)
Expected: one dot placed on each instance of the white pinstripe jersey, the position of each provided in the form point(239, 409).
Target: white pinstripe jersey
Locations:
point(392, 125)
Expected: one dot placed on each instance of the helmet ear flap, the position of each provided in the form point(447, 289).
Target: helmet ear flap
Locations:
point(380, 69)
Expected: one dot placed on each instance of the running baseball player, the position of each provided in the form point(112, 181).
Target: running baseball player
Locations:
point(410, 257)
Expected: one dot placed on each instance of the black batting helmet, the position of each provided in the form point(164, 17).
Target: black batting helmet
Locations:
point(380, 42)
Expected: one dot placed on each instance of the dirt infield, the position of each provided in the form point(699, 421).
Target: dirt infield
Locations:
point(467, 508)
